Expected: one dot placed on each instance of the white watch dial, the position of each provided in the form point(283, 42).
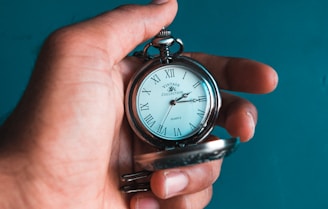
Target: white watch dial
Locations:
point(173, 102)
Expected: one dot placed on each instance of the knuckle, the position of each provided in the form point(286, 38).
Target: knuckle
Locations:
point(205, 175)
point(201, 199)
point(128, 8)
point(197, 200)
point(63, 39)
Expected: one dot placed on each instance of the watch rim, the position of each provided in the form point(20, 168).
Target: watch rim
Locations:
point(143, 133)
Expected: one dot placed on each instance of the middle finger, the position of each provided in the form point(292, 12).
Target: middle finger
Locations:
point(238, 74)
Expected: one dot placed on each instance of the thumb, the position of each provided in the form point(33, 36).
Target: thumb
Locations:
point(123, 28)
point(113, 34)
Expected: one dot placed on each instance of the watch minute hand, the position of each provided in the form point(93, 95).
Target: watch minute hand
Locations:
point(190, 100)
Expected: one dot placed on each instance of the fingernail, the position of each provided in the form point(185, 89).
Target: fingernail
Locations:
point(147, 203)
point(175, 182)
point(251, 123)
point(159, 1)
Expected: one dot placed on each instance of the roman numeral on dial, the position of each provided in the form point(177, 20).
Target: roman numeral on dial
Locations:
point(155, 78)
point(169, 73)
point(192, 126)
point(196, 84)
point(144, 106)
point(177, 132)
point(146, 91)
point(202, 98)
point(149, 119)
point(162, 130)
point(200, 113)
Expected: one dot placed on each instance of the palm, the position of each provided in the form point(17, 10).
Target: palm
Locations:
point(124, 143)
point(121, 154)
point(85, 143)
point(117, 158)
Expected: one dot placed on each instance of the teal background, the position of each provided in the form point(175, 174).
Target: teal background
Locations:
point(285, 165)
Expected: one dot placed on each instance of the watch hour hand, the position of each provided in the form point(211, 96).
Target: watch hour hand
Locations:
point(185, 95)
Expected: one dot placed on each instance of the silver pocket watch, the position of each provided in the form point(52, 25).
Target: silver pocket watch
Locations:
point(172, 104)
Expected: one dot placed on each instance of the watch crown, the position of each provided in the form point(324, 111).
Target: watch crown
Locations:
point(163, 33)
point(163, 41)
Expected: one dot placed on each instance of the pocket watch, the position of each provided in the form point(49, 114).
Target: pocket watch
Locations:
point(172, 104)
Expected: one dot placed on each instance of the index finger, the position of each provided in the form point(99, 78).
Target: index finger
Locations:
point(239, 74)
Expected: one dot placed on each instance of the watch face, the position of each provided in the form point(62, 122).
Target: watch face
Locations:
point(173, 103)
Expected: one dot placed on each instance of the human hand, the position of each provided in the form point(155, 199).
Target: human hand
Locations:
point(67, 143)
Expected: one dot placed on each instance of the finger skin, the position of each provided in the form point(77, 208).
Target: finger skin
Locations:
point(238, 74)
point(197, 200)
point(238, 116)
point(169, 183)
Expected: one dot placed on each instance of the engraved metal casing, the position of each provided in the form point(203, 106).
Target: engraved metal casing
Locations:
point(189, 155)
